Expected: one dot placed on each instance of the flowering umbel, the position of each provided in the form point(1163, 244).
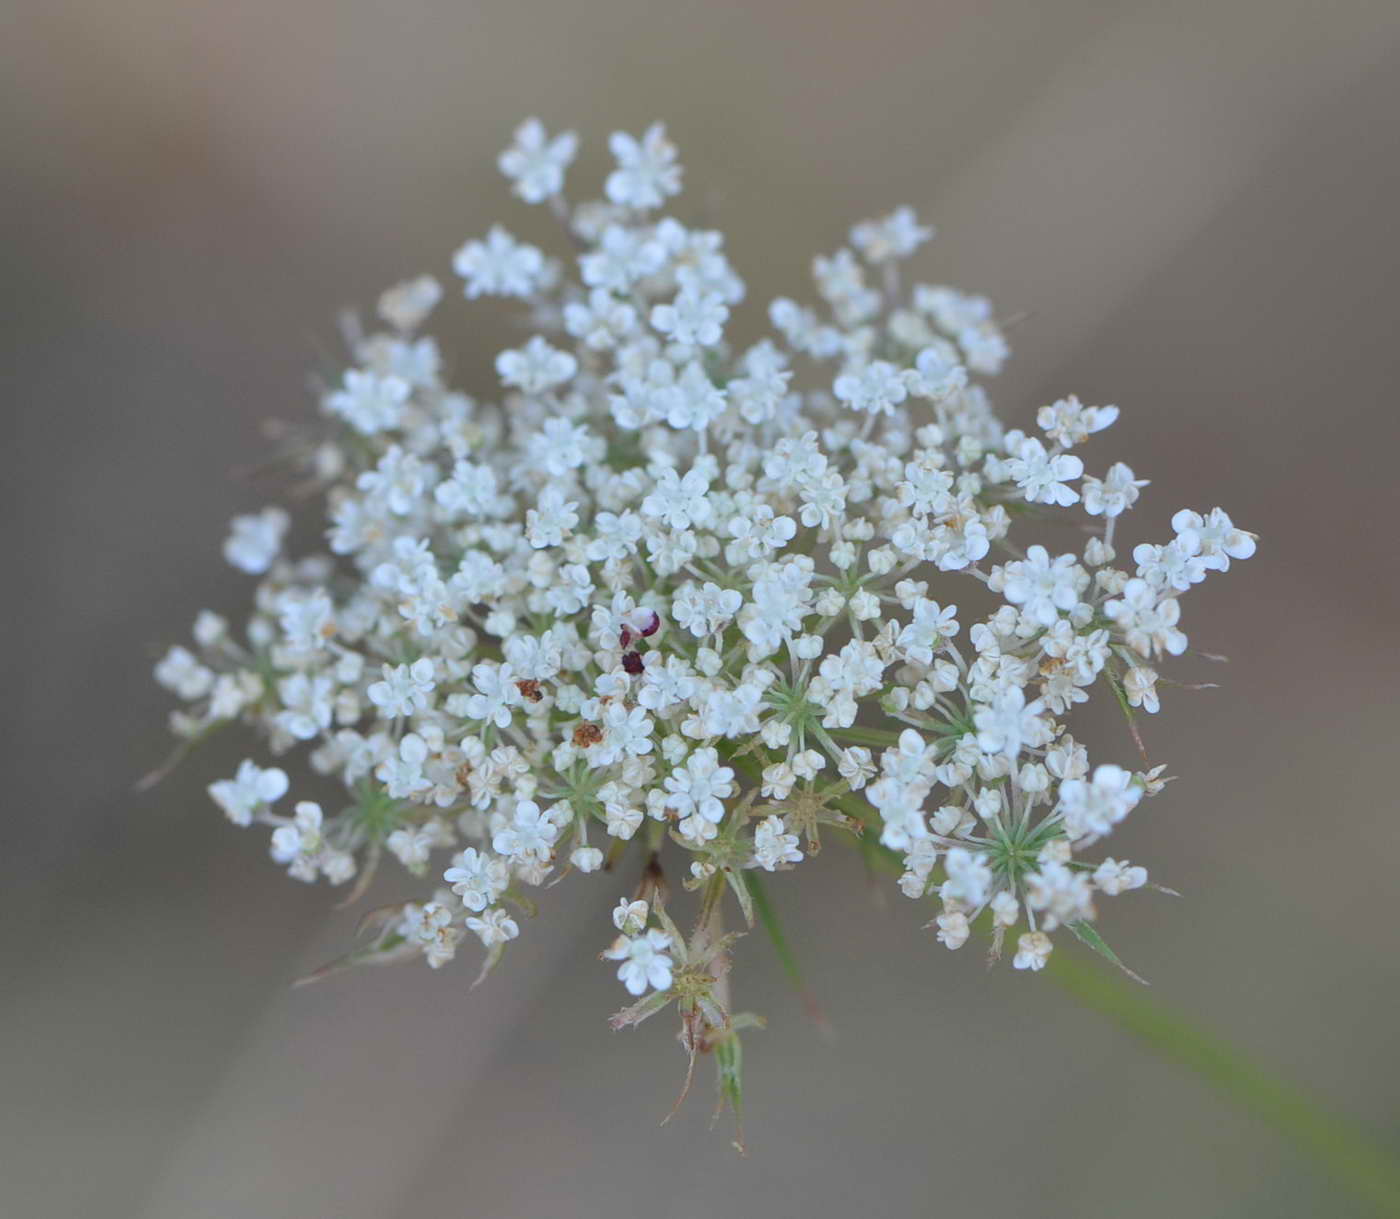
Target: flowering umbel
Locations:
point(658, 588)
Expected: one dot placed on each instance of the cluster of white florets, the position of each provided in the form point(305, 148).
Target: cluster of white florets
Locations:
point(656, 588)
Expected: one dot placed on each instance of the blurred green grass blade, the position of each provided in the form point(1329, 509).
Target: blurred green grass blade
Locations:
point(768, 917)
point(1345, 1150)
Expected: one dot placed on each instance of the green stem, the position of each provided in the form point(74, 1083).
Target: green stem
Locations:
point(1353, 1158)
point(868, 736)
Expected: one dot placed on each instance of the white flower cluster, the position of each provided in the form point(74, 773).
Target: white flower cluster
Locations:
point(656, 586)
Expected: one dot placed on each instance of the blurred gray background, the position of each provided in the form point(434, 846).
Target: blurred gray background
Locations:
point(1195, 206)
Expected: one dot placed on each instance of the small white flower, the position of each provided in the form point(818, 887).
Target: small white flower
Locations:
point(306, 705)
point(1032, 951)
point(1113, 877)
point(179, 671)
point(431, 927)
point(413, 846)
point(1213, 537)
point(855, 767)
point(695, 317)
point(1147, 619)
point(969, 878)
point(877, 388)
point(398, 480)
point(1140, 686)
point(892, 237)
point(772, 845)
point(369, 402)
point(953, 929)
point(1005, 909)
point(621, 258)
point(647, 171)
point(704, 609)
point(1114, 494)
point(623, 820)
point(679, 502)
point(731, 713)
point(494, 928)
point(586, 859)
point(700, 787)
point(630, 917)
point(255, 541)
point(404, 689)
point(251, 789)
point(1043, 477)
point(552, 517)
point(403, 776)
point(1093, 807)
point(298, 844)
point(1044, 587)
point(499, 266)
point(625, 732)
point(1069, 422)
point(937, 373)
point(529, 832)
point(1059, 894)
point(477, 878)
point(1175, 566)
point(646, 961)
point(406, 305)
point(603, 322)
point(536, 367)
point(536, 163)
point(1008, 723)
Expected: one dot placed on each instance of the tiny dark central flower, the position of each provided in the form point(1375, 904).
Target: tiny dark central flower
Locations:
point(638, 622)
